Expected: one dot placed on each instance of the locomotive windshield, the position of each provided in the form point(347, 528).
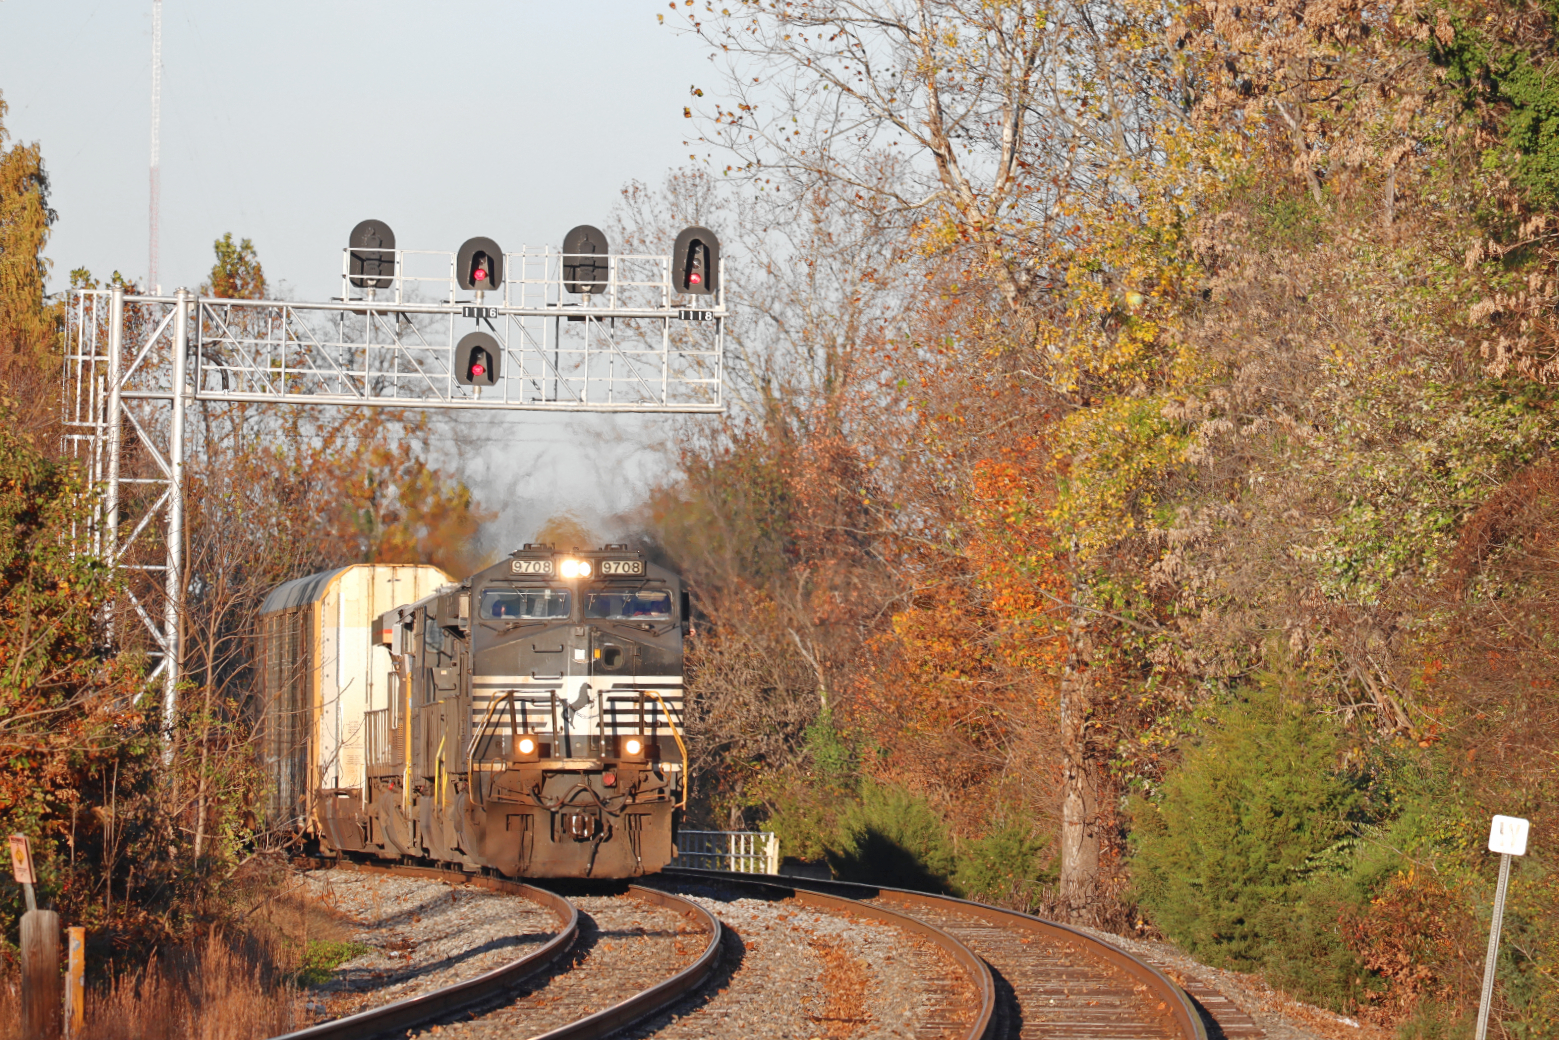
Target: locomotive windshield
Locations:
point(641, 604)
point(502, 604)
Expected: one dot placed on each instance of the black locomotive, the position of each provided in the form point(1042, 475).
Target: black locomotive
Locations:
point(532, 723)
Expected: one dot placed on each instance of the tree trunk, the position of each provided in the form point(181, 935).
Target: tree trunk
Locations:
point(1079, 879)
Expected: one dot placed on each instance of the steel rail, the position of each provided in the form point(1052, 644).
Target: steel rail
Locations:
point(983, 1027)
point(663, 994)
point(1180, 1006)
point(393, 1019)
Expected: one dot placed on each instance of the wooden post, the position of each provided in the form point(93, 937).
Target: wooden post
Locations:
point(76, 983)
point(41, 996)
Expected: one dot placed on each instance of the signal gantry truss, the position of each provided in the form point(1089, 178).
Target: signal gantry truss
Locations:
point(134, 364)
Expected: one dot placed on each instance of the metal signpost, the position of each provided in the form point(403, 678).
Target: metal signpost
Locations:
point(1508, 837)
point(588, 332)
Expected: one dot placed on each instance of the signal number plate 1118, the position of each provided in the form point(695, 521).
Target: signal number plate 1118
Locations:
point(612, 568)
point(531, 566)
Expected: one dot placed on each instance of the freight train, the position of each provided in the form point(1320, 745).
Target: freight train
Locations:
point(526, 721)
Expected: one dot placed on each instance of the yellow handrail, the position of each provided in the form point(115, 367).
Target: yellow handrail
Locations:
point(438, 773)
point(680, 746)
point(477, 736)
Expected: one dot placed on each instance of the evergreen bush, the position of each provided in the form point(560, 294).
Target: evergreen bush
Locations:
point(1238, 858)
point(1006, 866)
point(892, 837)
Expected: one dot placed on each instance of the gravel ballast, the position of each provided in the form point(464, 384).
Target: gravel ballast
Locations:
point(423, 934)
point(791, 972)
point(1277, 1015)
point(625, 945)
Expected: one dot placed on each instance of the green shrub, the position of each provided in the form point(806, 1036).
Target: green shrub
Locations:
point(804, 817)
point(884, 835)
point(833, 760)
point(892, 837)
point(1433, 1021)
point(1243, 858)
point(1005, 866)
point(805, 809)
point(321, 958)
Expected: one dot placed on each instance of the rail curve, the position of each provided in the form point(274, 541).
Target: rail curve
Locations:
point(397, 1017)
point(1128, 999)
point(983, 1023)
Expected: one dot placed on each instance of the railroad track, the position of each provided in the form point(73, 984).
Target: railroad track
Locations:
point(951, 1013)
point(1029, 978)
point(489, 988)
point(1045, 979)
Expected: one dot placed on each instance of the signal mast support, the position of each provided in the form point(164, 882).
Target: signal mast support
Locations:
point(175, 536)
point(643, 351)
point(116, 335)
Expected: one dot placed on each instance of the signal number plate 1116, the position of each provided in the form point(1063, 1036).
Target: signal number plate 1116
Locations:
point(532, 566)
point(612, 568)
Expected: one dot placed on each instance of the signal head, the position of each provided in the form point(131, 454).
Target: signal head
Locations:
point(371, 262)
point(585, 267)
point(695, 262)
point(477, 358)
point(479, 265)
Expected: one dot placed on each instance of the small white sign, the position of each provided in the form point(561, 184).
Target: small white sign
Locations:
point(1509, 835)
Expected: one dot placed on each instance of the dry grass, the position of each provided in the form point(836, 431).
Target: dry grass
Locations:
point(221, 990)
point(244, 980)
point(224, 990)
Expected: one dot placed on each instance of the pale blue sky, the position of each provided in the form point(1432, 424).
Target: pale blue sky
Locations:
point(288, 122)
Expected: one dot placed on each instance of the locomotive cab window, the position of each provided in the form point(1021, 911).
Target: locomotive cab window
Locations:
point(433, 639)
point(629, 605)
point(504, 604)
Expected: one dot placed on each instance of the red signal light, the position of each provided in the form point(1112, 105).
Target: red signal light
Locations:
point(480, 275)
point(478, 369)
point(695, 278)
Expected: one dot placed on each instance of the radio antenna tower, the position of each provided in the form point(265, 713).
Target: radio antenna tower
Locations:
point(152, 285)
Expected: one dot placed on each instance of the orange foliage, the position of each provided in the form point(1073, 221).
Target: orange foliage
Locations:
point(968, 685)
point(1414, 935)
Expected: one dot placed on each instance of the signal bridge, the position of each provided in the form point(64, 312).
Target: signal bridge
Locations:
point(576, 329)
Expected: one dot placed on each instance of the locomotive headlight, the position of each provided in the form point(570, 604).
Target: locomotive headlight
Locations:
point(633, 745)
point(527, 745)
point(584, 568)
point(570, 568)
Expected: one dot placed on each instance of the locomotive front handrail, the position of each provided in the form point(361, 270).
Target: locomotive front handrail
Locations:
point(680, 746)
point(511, 697)
point(477, 736)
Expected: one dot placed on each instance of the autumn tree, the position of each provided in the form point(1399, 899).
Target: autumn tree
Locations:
point(29, 325)
point(237, 273)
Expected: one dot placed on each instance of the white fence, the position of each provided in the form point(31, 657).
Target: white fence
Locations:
point(747, 852)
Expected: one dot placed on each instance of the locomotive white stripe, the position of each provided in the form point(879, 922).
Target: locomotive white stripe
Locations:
point(534, 699)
